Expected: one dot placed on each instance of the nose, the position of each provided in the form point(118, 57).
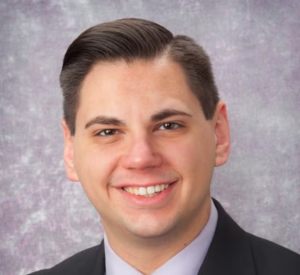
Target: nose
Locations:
point(141, 155)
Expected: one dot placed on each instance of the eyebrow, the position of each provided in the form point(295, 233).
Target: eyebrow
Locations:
point(163, 114)
point(105, 120)
point(166, 113)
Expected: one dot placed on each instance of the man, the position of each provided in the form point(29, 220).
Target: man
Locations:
point(144, 129)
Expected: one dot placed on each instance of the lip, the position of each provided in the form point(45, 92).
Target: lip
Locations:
point(145, 185)
point(154, 201)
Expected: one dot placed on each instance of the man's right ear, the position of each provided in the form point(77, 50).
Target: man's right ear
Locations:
point(69, 153)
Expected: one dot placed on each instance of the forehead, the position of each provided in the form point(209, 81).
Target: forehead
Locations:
point(140, 88)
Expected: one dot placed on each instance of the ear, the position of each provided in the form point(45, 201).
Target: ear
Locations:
point(222, 134)
point(68, 153)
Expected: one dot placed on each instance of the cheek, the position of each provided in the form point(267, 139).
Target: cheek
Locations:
point(193, 159)
point(94, 166)
point(191, 154)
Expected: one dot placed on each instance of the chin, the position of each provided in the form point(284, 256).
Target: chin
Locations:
point(149, 227)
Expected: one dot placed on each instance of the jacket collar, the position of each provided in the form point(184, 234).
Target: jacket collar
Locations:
point(230, 251)
point(99, 266)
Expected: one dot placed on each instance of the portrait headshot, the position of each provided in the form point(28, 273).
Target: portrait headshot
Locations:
point(144, 137)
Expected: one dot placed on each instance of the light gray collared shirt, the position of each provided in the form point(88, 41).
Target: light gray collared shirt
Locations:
point(188, 261)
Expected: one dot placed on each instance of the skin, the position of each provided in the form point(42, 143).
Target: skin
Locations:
point(179, 148)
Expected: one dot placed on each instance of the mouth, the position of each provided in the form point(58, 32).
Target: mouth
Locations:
point(149, 191)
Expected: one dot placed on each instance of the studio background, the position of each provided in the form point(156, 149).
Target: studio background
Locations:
point(254, 47)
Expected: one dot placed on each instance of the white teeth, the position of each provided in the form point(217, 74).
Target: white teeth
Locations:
point(148, 191)
point(142, 191)
point(147, 195)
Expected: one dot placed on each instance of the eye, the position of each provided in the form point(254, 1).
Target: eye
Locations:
point(169, 126)
point(108, 132)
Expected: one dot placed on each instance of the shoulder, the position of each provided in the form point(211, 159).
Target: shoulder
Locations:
point(271, 258)
point(80, 263)
point(243, 253)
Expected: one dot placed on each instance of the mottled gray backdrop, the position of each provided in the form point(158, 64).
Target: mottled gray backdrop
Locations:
point(254, 46)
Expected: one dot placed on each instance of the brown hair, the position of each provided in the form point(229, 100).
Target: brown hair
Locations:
point(130, 39)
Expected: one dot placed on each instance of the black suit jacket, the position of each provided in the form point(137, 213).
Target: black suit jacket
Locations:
point(232, 252)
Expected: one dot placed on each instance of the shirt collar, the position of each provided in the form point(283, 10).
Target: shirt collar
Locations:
point(188, 261)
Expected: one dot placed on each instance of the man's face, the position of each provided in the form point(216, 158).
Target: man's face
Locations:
point(143, 150)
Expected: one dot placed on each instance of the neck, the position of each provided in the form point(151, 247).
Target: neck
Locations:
point(148, 254)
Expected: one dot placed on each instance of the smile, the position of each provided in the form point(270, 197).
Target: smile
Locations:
point(148, 191)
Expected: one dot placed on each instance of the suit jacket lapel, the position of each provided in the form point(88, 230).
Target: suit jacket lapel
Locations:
point(230, 251)
point(99, 265)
